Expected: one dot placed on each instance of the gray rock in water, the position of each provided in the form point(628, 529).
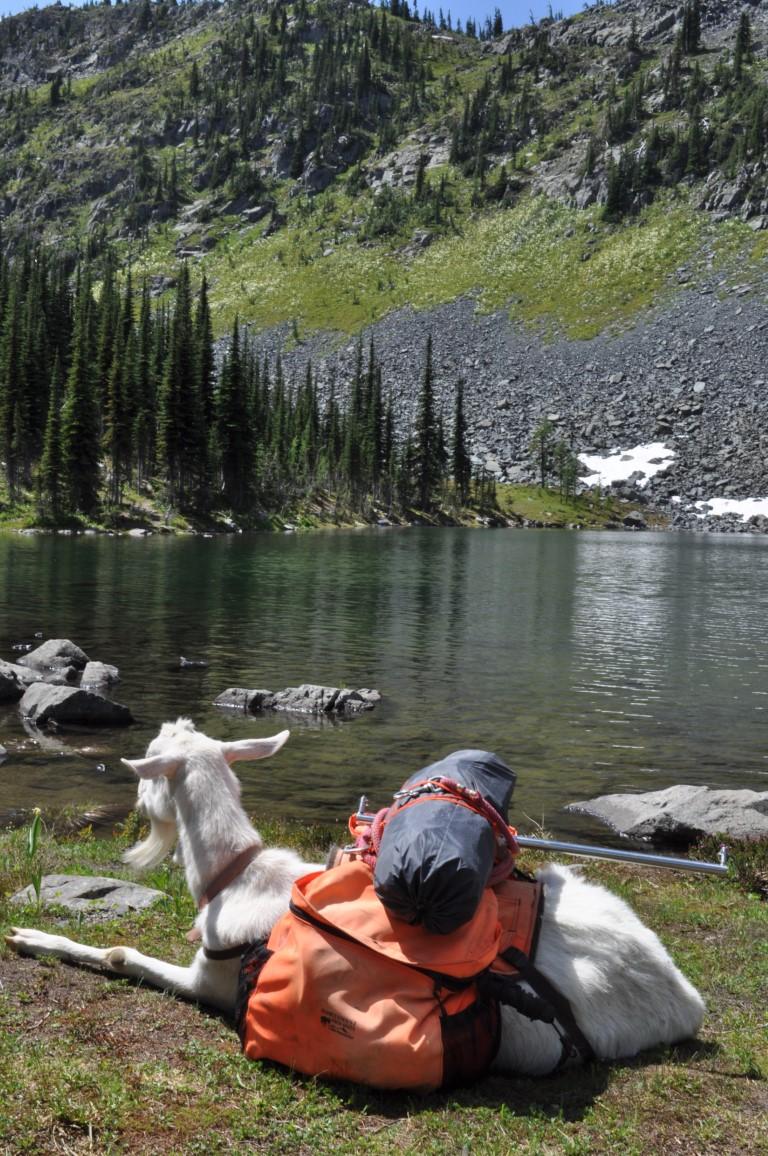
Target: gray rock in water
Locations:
point(305, 699)
point(11, 688)
point(14, 680)
point(91, 894)
point(3, 752)
point(70, 704)
point(239, 698)
point(681, 814)
point(99, 674)
point(55, 654)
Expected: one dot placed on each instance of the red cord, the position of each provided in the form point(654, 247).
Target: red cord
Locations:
point(368, 837)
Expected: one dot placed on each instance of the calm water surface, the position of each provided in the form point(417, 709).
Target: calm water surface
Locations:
point(591, 662)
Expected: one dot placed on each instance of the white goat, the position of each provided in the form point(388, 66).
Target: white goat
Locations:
point(625, 992)
point(187, 787)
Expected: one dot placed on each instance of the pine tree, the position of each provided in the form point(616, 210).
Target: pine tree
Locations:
point(204, 352)
point(566, 468)
point(182, 441)
point(461, 466)
point(689, 36)
point(80, 425)
point(11, 338)
point(370, 426)
point(232, 432)
point(51, 473)
point(351, 457)
point(697, 152)
point(144, 394)
point(119, 401)
point(406, 486)
point(108, 313)
point(742, 53)
point(428, 451)
point(542, 449)
point(388, 454)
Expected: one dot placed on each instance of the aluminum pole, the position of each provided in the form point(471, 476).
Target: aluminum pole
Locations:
point(720, 868)
point(626, 856)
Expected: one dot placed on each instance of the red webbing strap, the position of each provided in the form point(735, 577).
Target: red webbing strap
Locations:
point(367, 836)
point(227, 875)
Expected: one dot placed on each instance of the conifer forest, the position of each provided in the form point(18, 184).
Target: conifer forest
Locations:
point(102, 393)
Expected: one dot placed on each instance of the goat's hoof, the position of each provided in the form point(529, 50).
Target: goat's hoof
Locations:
point(116, 957)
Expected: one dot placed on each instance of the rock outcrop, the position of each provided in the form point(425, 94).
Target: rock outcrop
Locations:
point(99, 674)
point(14, 680)
point(305, 699)
point(681, 814)
point(91, 895)
point(43, 703)
point(56, 655)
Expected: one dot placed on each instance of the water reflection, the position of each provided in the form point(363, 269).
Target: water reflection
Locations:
point(589, 662)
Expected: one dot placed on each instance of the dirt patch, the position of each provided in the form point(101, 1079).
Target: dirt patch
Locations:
point(106, 1014)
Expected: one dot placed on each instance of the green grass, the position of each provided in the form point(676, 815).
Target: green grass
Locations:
point(91, 1063)
point(550, 508)
point(554, 268)
point(323, 510)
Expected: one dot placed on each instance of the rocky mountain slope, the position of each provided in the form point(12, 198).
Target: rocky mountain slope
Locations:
point(339, 170)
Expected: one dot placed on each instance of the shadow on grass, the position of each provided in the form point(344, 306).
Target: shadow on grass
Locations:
point(567, 1096)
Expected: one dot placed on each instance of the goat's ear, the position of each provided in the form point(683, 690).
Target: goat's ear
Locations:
point(154, 767)
point(253, 748)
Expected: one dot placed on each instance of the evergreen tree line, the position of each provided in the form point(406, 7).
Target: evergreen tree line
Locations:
point(102, 390)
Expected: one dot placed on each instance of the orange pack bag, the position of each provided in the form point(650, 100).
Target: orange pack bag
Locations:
point(343, 989)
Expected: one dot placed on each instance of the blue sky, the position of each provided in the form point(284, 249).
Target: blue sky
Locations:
point(514, 12)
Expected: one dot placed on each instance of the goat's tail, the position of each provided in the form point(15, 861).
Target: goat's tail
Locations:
point(152, 850)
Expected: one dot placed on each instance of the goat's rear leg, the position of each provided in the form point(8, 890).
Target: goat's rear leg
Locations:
point(212, 982)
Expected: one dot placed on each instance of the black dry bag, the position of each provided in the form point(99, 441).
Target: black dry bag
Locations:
point(435, 858)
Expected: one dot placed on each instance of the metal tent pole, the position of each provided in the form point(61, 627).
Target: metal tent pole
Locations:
point(626, 856)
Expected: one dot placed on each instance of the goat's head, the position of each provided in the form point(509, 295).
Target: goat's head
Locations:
point(159, 772)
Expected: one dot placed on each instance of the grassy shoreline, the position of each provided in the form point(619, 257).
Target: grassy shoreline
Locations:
point(514, 506)
point(93, 1063)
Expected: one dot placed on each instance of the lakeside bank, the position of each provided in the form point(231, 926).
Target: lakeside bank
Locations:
point(91, 1062)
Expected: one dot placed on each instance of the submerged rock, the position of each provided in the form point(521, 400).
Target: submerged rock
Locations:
point(91, 894)
point(308, 698)
point(681, 814)
point(43, 703)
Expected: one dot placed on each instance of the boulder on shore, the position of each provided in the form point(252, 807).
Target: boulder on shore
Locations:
point(681, 814)
point(305, 699)
point(43, 703)
point(91, 894)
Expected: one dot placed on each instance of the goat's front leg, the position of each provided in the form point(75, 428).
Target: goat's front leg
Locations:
point(212, 982)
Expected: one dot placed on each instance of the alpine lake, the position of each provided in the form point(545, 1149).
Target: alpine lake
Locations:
point(591, 662)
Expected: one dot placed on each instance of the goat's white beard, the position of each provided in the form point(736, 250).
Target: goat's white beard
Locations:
point(152, 850)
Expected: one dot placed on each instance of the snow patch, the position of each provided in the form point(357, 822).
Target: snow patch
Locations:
point(618, 465)
point(742, 507)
